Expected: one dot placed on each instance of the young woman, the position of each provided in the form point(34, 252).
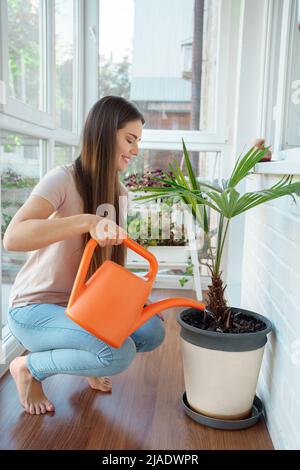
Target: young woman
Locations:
point(54, 224)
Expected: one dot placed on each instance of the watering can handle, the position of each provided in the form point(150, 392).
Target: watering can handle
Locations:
point(140, 250)
point(79, 283)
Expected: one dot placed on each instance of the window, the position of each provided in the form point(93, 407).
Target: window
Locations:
point(20, 169)
point(208, 163)
point(282, 85)
point(25, 49)
point(65, 63)
point(292, 108)
point(150, 62)
point(64, 154)
point(271, 65)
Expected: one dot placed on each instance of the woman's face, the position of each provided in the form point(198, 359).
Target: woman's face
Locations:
point(128, 139)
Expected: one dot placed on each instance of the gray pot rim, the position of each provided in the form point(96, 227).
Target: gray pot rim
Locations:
point(225, 341)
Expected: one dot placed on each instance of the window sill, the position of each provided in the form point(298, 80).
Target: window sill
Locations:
point(279, 167)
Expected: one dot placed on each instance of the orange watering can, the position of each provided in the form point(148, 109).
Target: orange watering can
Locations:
point(110, 305)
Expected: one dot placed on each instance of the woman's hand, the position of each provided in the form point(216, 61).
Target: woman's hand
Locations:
point(260, 144)
point(105, 231)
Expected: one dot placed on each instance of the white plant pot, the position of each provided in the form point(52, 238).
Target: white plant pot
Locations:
point(221, 369)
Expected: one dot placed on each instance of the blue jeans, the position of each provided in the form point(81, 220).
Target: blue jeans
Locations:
point(57, 345)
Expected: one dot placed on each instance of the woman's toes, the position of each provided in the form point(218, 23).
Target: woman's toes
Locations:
point(37, 409)
point(32, 409)
point(26, 408)
point(42, 408)
point(49, 406)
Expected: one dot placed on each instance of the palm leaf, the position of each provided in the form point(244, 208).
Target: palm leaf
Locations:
point(250, 200)
point(191, 174)
point(245, 164)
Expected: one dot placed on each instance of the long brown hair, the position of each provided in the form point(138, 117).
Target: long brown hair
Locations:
point(95, 169)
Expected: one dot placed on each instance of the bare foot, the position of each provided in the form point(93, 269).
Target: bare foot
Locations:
point(100, 383)
point(30, 390)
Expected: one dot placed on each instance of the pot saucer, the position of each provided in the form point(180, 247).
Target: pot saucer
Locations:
point(229, 424)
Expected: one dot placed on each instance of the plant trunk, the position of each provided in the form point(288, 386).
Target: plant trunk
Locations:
point(216, 302)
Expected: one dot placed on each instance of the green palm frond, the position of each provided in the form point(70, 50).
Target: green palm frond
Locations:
point(191, 174)
point(189, 183)
point(250, 200)
point(245, 164)
point(230, 203)
point(223, 198)
point(202, 185)
point(190, 197)
point(188, 189)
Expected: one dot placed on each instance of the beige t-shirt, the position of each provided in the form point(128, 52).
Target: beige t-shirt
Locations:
point(49, 273)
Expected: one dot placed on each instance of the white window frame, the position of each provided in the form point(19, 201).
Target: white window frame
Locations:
point(24, 112)
point(171, 139)
point(284, 68)
point(15, 107)
point(285, 160)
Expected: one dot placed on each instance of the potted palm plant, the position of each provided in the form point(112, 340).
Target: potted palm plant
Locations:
point(222, 347)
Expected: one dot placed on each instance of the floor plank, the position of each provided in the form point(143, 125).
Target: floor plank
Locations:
point(143, 411)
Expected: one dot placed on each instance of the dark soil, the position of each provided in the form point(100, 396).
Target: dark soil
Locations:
point(239, 322)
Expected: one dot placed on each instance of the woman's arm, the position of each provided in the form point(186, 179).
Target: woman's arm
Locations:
point(30, 228)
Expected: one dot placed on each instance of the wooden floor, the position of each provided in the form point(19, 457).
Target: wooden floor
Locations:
point(143, 412)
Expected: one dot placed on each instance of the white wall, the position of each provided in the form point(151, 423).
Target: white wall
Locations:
point(271, 286)
point(246, 124)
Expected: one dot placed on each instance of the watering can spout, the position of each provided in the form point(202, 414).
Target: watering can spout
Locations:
point(164, 304)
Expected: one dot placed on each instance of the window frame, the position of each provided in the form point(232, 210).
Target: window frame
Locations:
point(24, 112)
point(16, 107)
point(284, 68)
point(285, 160)
point(157, 138)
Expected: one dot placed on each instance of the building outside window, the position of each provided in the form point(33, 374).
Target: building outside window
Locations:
point(154, 68)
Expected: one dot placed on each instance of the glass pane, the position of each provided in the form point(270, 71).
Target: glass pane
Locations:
point(151, 62)
point(63, 154)
point(293, 102)
point(19, 166)
point(64, 59)
point(272, 75)
point(207, 164)
point(25, 51)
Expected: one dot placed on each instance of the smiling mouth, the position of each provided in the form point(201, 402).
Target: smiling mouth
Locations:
point(126, 159)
